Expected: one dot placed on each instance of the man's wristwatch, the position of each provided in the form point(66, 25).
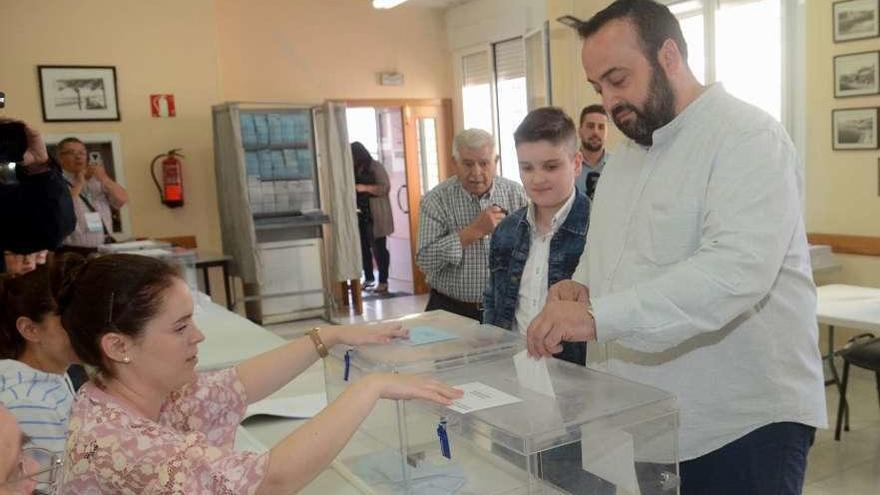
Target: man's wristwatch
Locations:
point(319, 344)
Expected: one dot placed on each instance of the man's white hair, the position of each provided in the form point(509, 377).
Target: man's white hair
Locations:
point(471, 139)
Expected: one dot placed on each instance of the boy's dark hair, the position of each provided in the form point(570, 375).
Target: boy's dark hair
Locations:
point(592, 109)
point(547, 124)
point(654, 23)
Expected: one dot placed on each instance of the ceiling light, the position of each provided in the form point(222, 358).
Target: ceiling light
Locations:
point(386, 4)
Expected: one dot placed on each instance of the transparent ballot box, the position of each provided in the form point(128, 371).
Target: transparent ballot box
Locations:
point(183, 259)
point(593, 433)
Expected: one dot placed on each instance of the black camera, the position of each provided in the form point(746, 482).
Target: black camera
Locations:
point(13, 142)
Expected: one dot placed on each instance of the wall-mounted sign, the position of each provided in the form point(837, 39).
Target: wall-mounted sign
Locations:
point(162, 105)
point(391, 79)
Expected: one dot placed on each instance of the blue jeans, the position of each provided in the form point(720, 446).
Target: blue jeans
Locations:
point(771, 460)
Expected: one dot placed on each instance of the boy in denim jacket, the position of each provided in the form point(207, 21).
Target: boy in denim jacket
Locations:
point(540, 244)
point(537, 246)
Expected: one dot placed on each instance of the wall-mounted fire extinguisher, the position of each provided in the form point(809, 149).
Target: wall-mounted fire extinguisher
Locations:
point(171, 188)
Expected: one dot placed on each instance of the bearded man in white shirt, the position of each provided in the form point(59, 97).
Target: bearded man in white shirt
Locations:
point(697, 272)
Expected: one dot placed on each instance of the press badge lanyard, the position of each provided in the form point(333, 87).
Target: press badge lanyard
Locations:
point(91, 208)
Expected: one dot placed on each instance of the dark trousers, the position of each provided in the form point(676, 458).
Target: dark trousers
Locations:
point(771, 460)
point(365, 228)
point(383, 258)
point(371, 246)
point(438, 300)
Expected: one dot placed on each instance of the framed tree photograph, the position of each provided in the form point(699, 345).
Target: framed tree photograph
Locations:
point(854, 128)
point(857, 74)
point(78, 93)
point(856, 20)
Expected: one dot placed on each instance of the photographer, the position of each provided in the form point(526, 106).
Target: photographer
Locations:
point(37, 212)
point(95, 195)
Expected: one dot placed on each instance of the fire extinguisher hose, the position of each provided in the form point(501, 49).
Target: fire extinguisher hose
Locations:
point(153, 173)
point(171, 153)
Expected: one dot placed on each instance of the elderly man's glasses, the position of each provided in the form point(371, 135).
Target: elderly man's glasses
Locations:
point(73, 152)
point(47, 475)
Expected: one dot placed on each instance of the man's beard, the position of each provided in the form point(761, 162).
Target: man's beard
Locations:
point(659, 110)
point(592, 147)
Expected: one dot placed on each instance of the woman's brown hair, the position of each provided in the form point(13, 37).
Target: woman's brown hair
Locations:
point(116, 293)
point(32, 295)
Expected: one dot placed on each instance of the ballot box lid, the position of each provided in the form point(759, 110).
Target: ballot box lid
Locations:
point(439, 340)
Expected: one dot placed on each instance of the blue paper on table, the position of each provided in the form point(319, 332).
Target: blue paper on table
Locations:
point(428, 335)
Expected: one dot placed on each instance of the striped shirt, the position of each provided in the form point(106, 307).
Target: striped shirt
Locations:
point(460, 273)
point(39, 401)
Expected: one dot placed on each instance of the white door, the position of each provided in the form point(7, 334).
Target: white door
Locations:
point(391, 154)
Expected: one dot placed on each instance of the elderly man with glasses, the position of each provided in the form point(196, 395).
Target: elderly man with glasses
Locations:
point(95, 194)
point(457, 220)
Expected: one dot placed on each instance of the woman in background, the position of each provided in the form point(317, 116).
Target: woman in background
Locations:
point(375, 221)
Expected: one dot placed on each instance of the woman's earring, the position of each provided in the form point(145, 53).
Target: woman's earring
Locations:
point(126, 359)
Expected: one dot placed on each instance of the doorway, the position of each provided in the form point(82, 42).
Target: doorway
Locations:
point(412, 139)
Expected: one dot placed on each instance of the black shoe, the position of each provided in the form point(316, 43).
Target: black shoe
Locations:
point(369, 284)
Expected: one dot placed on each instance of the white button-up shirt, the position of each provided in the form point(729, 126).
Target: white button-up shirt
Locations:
point(534, 280)
point(699, 273)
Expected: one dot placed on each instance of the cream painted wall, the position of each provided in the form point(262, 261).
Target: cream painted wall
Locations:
point(303, 51)
point(474, 26)
point(161, 46)
point(842, 186)
point(571, 91)
point(266, 50)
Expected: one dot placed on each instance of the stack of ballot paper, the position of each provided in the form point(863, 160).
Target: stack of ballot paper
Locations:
point(299, 407)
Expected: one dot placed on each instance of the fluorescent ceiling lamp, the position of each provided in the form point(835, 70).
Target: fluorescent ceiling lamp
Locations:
point(386, 4)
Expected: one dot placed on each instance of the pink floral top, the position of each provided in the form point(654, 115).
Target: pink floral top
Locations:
point(111, 449)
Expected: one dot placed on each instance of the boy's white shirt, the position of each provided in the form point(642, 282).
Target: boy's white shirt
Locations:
point(533, 283)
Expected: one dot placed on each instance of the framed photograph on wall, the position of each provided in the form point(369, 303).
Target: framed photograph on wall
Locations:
point(854, 128)
point(71, 93)
point(856, 19)
point(857, 74)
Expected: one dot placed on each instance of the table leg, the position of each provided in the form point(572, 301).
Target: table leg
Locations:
point(357, 297)
point(207, 278)
point(343, 289)
point(230, 304)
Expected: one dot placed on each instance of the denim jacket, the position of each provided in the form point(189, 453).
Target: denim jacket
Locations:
point(508, 252)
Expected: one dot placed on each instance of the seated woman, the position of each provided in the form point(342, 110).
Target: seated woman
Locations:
point(34, 354)
point(147, 423)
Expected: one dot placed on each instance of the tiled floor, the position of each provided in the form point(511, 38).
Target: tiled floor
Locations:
point(848, 467)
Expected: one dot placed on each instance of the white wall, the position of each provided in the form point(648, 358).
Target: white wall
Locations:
point(480, 23)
